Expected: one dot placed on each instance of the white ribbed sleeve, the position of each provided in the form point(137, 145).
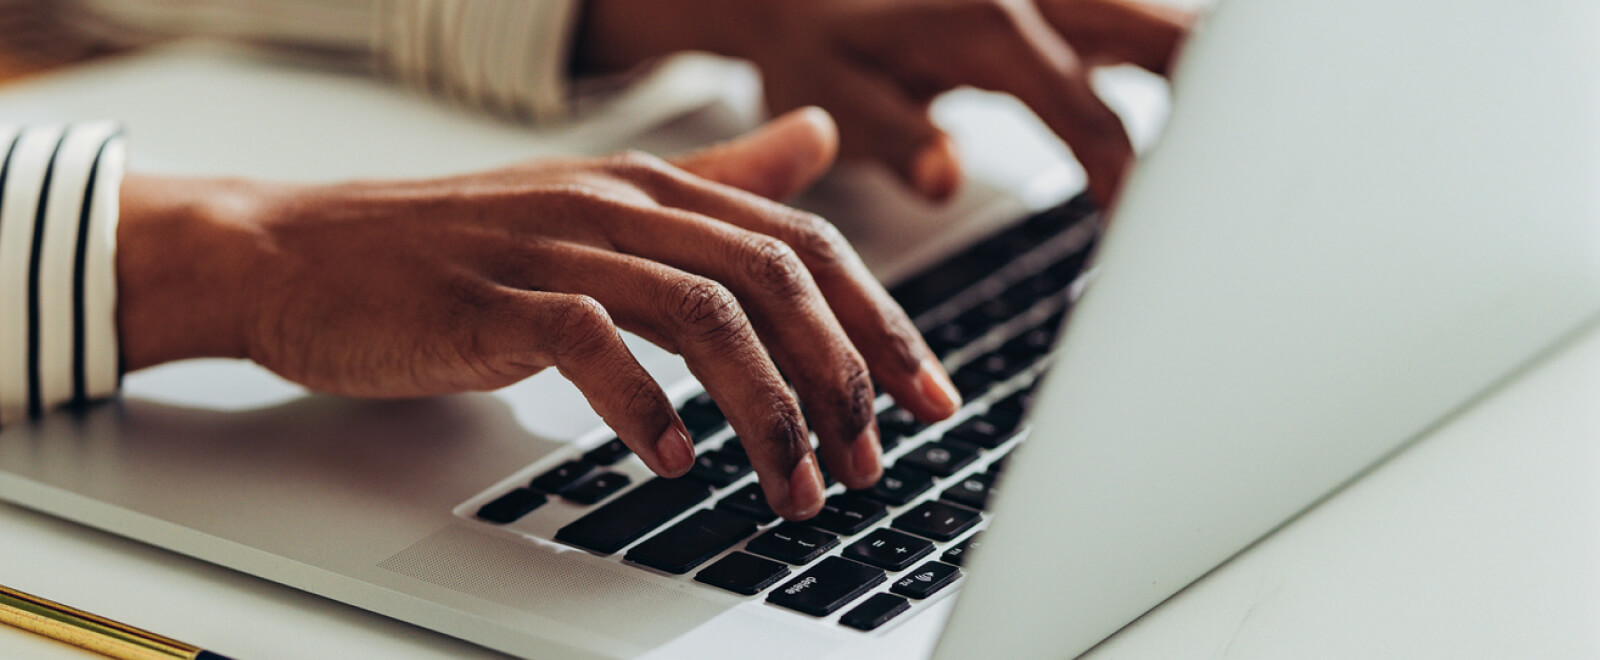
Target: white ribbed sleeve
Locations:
point(509, 57)
point(59, 188)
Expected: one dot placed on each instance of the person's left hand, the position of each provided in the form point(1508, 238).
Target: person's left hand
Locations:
point(474, 282)
point(877, 64)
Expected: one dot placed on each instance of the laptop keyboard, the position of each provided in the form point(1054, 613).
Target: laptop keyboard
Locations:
point(991, 314)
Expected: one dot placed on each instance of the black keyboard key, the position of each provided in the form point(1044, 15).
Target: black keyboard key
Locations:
point(680, 548)
point(896, 424)
point(900, 485)
point(699, 435)
point(512, 506)
point(940, 521)
point(826, 587)
point(875, 611)
point(998, 366)
point(701, 416)
point(743, 574)
point(979, 432)
point(1027, 293)
point(628, 518)
point(975, 323)
point(793, 543)
point(940, 458)
point(562, 477)
point(608, 453)
point(1005, 246)
point(1015, 406)
point(937, 285)
point(848, 514)
point(1068, 269)
point(1059, 219)
point(947, 338)
point(972, 492)
point(749, 502)
point(927, 580)
point(597, 487)
point(1005, 420)
point(719, 468)
point(972, 382)
point(888, 549)
point(957, 554)
point(998, 466)
point(1000, 309)
point(733, 450)
point(1029, 346)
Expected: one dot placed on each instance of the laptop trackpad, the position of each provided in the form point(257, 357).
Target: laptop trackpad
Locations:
point(596, 598)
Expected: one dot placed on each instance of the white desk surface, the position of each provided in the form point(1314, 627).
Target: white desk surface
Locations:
point(1480, 541)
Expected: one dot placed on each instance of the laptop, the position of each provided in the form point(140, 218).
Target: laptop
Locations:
point(1359, 222)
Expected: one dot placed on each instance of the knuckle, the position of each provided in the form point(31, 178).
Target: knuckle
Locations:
point(647, 173)
point(707, 311)
point(588, 206)
point(636, 159)
point(575, 195)
point(858, 394)
point(468, 296)
point(774, 267)
point(638, 165)
point(789, 434)
point(580, 326)
point(818, 242)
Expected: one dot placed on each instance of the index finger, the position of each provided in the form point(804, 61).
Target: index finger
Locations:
point(1036, 65)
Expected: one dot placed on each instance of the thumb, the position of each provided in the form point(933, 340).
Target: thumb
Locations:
point(777, 161)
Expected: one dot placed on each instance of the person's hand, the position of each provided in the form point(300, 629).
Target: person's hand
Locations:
point(410, 289)
point(877, 64)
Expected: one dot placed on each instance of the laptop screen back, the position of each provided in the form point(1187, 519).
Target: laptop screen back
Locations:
point(1363, 216)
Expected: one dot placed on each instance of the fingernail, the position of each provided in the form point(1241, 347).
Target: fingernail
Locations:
point(675, 451)
point(934, 172)
point(805, 488)
point(816, 116)
point(936, 388)
point(866, 459)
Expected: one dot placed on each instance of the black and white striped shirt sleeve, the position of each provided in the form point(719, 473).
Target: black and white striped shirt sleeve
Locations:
point(58, 224)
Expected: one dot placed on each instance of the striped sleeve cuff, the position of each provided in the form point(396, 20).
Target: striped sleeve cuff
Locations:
point(58, 224)
point(511, 57)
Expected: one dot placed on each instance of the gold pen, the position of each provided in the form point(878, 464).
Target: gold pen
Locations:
point(87, 631)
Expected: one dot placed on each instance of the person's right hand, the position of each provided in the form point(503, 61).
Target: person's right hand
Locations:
point(878, 64)
point(409, 289)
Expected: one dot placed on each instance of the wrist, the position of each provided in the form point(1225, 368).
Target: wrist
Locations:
point(185, 251)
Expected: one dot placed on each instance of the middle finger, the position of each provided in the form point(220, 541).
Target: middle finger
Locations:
point(788, 312)
point(702, 321)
